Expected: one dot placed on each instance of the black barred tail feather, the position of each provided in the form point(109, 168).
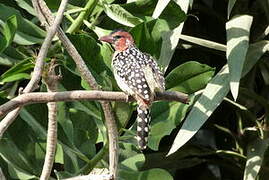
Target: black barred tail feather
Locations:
point(143, 119)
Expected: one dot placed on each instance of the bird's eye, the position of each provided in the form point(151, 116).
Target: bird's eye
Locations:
point(117, 37)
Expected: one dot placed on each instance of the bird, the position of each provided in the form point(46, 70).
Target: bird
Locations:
point(138, 75)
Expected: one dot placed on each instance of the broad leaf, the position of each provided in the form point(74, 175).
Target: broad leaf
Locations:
point(189, 77)
point(159, 8)
point(120, 15)
point(27, 33)
point(171, 38)
point(133, 163)
point(165, 117)
point(213, 95)
point(238, 30)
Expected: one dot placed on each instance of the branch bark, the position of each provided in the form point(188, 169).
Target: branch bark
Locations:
point(5, 123)
point(46, 18)
point(44, 97)
point(51, 80)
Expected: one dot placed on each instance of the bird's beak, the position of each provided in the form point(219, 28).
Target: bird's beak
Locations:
point(107, 38)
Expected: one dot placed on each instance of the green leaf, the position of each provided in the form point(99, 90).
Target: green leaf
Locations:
point(16, 77)
point(90, 52)
point(120, 15)
point(148, 36)
point(171, 38)
point(238, 30)
point(133, 163)
point(165, 117)
point(11, 56)
point(189, 77)
point(21, 67)
point(8, 32)
point(19, 166)
point(152, 174)
point(255, 156)
point(123, 113)
point(159, 8)
point(26, 5)
point(212, 96)
point(27, 33)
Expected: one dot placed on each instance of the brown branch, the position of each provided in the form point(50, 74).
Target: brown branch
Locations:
point(88, 77)
point(51, 80)
point(4, 124)
point(44, 97)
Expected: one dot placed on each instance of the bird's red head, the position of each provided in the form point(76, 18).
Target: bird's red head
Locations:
point(120, 39)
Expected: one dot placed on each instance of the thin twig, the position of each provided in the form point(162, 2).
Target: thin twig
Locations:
point(88, 77)
point(44, 97)
point(51, 80)
point(33, 83)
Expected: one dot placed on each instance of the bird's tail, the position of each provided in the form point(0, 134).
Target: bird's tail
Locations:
point(143, 119)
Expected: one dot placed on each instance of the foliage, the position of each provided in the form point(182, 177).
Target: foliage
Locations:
point(219, 135)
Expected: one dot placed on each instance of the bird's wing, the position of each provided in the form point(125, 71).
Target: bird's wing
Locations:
point(154, 75)
point(131, 76)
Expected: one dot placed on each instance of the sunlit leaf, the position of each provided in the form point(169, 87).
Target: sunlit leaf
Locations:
point(213, 95)
point(238, 30)
point(231, 4)
point(159, 8)
point(120, 15)
point(255, 156)
point(171, 38)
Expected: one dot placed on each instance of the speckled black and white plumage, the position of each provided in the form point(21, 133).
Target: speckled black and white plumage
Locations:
point(129, 71)
point(138, 75)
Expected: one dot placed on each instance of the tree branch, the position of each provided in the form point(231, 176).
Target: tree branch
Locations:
point(4, 124)
point(51, 80)
point(44, 97)
point(45, 15)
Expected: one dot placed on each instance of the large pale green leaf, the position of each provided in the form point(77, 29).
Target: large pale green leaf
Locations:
point(171, 38)
point(120, 15)
point(213, 95)
point(189, 77)
point(159, 8)
point(238, 29)
point(8, 32)
point(27, 33)
point(255, 156)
